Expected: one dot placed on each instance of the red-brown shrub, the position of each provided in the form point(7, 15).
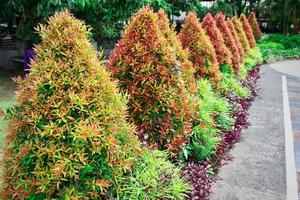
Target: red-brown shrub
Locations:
point(237, 40)
point(254, 25)
point(201, 50)
point(146, 69)
point(222, 52)
point(229, 40)
point(248, 31)
point(241, 33)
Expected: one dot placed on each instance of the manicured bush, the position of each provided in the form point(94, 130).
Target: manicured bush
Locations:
point(68, 136)
point(183, 61)
point(155, 178)
point(222, 52)
point(229, 41)
point(201, 50)
point(254, 25)
point(146, 69)
point(242, 35)
point(237, 40)
point(248, 31)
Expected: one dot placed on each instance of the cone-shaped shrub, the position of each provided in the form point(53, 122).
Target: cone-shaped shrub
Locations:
point(248, 30)
point(201, 50)
point(68, 136)
point(147, 70)
point(181, 54)
point(242, 35)
point(210, 27)
point(254, 25)
point(237, 40)
point(229, 40)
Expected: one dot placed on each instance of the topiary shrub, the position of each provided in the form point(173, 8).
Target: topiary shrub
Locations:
point(201, 50)
point(248, 31)
point(155, 178)
point(237, 40)
point(147, 70)
point(181, 54)
point(254, 25)
point(241, 33)
point(229, 41)
point(223, 53)
point(68, 136)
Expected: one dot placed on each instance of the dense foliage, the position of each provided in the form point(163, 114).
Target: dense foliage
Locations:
point(222, 52)
point(242, 35)
point(248, 31)
point(236, 39)
point(229, 41)
point(201, 51)
point(146, 69)
point(68, 135)
point(254, 25)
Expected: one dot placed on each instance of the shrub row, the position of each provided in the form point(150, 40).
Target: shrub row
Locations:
point(81, 132)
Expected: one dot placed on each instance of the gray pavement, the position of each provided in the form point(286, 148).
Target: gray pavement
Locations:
point(257, 171)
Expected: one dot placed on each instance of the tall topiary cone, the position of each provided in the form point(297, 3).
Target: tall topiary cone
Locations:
point(147, 70)
point(223, 53)
point(254, 25)
point(181, 54)
point(237, 40)
point(241, 33)
point(229, 41)
point(201, 50)
point(68, 136)
point(248, 31)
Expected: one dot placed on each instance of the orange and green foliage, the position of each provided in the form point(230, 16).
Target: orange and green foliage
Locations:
point(254, 25)
point(223, 53)
point(181, 54)
point(201, 50)
point(147, 70)
point(248, 30)
point(229, 40)
point(68, 136)
point(242, 35)
point(237, 40)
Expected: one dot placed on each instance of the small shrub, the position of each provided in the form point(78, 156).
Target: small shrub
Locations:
point(181, 54)
point(229, 41)
point(248, 31)
point(155, 178)
point(68, 135)
point(201, 50)
point(254, 25)
point(242, 35)
point(222, 52)
point(147, 70)
point(237, 40)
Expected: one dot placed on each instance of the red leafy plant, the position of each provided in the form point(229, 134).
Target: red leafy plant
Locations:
point(254, 25)
point(242, 35)
point(201, 51)
point(248, 30)
point(147, 70)
point(222, 52)
point(237, 40)
point(229, 41)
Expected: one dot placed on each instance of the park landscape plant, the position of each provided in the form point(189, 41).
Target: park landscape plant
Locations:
point(242, 35)
point(248, 31)
point(254, 25)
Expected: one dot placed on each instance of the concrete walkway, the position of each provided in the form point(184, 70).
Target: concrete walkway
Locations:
point(258, 170)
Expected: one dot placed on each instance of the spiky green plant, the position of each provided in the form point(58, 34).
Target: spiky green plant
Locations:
point(68, 136)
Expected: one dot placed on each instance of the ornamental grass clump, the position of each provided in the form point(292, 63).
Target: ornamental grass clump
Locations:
point(229, 41)
point(254, 25)
point(201, 50)
point(236, 39)
point(222, 52)
point(248, 31)
point(147, 70)
point(242, 35)
point(68, 136)
point(186, 66)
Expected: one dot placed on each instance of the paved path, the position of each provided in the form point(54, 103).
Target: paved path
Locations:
point(258, 169)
